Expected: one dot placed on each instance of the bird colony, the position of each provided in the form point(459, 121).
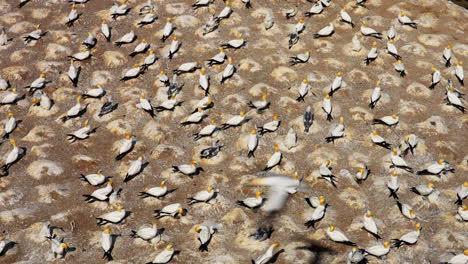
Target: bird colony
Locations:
point(245, 131)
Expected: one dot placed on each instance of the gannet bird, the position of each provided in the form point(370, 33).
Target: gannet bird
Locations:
point(337, 132)
point(266, 257)
point(142, 47)
point(135, 168)
point(163, 78)
point(204, 236)
point(454, 99)
point(95, 93)
point(369, 225)
point(212, 151)
point(308, 119)
point(119, 10)
point(356, 43)
point(375, 97)
point(206, 131)
point(290, 13)
point(345, 17)
point(326, 174)
point(386, 120)
point(367, 31)
point(204, 103)
point(327, 31)
point(300, 58)
point(404, 20)
point(225, 13)
point(247, 3)
point(271, 126)
point(168, 29)
point(294, 188)
point(114, 217)
point(435, 78)
point(201, 3)
point(303, 90)
point(362, 174)
point(461, 258)
point(399, 162)
point(327, 107)
point(72, 16)
point(355, 256)
point(100, 195)
point(37, 84)
point(10, 125)
point(58, 248)
point(126, 39)
point(145, 104)
point(174, 210)
point(235, 121)
point(393, 185)
point(34, 35)
point(392, 50)
point(338, 236)
point(211, 25)
point(228, 72)
point(293, 39)
point(423, 190)
point(218, 58)
point(105, 30)
point(148, 233)
point(82, 133)
point(447, 55)
point(174, 47)
point(379, 250)
point(252, 143)
point(400, 68)
point(188, 169)
point(5, 245)
point(204, 196)
point(462, 213)
point(107, 106)
point(22, 3)
point(73, 73)
point(107, 244)
point(43, 100)
point(260, 105)
point(158, 192)
point(336, 84)
point(290, 140)
point(378, 140)
point(437, 168)
point(361, 3)
point(372, 55)
point(4, 84)
point(275, 159)
point(126, 146)
point(148, 19)
point(4, 40)
point(11, 98)
point(90, 41)
point(132, 73)
point(169, 105)
point(164, 256)
point(235, 43)
point(74, 111)
point(391, 33)
point(316, 9)
point(406, 210)
point(409, 238)
point(319, 212)
point(459, 72)
point(252, 202)
point(84, 54)
point(12, 157)
point(411, 141)
point(95, 179)
point(277, 191)
point(147, 8)
point(462, 193)
point(149, 60)
point(195, 117)
point(186, 67)
point(299, 27)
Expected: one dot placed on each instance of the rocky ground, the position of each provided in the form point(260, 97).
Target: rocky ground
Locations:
point(45, 185)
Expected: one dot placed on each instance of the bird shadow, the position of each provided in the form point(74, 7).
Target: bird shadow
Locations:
point(317, 250)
